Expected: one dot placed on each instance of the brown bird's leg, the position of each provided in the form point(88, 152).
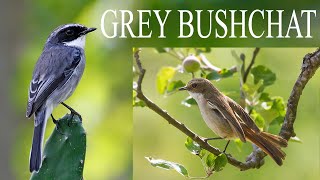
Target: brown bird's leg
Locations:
point(208, 139)
point(225, 148)
point(216, 138)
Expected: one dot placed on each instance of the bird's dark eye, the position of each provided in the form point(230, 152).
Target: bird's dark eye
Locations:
point(194, 85)
point(69, 32)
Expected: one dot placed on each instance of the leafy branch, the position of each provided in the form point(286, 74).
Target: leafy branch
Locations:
point(311, 63)
point(178, 124)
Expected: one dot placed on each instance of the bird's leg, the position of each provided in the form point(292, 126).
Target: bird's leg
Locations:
point(225, 148)
point(208, 139)
point(56, 122)
point(216, 138)
point(73, 112)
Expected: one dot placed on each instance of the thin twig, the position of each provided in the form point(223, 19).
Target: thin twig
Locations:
point(255, 53)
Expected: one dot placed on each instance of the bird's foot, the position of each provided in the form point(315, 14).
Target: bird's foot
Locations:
point(73, 112)
point(56, 122)
point(209, 139)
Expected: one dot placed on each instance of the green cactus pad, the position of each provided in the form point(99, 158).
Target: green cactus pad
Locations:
point(64, 153)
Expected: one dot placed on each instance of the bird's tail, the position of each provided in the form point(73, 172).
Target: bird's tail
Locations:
point(269, 143)
point(36, 149)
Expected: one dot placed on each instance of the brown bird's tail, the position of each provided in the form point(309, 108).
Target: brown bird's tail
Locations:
point(269, 143)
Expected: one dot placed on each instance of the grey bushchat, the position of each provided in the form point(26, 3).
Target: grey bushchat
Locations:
point(55, 77)
point(229, 120)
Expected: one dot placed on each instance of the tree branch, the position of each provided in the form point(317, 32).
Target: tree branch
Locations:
point(311, 63)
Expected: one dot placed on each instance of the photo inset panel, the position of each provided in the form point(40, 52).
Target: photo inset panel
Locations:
point(219, 113)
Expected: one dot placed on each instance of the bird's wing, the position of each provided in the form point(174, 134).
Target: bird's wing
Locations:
point(53, 69)
point(223, 107)
point(244, 116)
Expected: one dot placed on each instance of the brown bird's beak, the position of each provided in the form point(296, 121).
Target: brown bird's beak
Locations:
point(183, 88)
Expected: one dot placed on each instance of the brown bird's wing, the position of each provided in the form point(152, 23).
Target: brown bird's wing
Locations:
point(222, 106)
point(249, 123)
point(245, 117)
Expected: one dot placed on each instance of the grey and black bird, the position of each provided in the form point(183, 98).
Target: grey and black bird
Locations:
point(55, 77)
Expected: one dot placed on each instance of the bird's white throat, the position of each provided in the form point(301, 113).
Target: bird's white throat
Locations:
point(197, 96)
point(80, 42)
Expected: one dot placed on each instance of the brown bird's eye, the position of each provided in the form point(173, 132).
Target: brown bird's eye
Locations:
point(69, 32)
point(194, 85)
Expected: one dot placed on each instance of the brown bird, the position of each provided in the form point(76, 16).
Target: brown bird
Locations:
point(229, 120)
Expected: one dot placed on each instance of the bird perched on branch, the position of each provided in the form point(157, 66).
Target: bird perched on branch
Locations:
point(55, 77)
point(229, 120)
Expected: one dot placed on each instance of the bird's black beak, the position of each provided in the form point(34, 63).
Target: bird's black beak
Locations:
point(88, 30)
point(183, 88)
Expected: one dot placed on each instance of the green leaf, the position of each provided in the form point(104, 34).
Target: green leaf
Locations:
point(202, 153)
point(160, 163)
point(261, 88)
point(189, 101)
point(220, 162)
point(263, 73)
point(210, 160)
point(164, 76)
point(174, 85)
point(224, 73)
point(274, 110)
point(278, 120)
point(247, 89)
point(258, 119)
point(137, 102)
point(192, 146)
point(295, 139)
point(278, 106)
point(203, 74)
point(264, 97)
point(250, 89)
point(213, 76)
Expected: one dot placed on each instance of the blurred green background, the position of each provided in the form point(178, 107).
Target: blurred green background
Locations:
point(154, 137)
point(103, 96)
